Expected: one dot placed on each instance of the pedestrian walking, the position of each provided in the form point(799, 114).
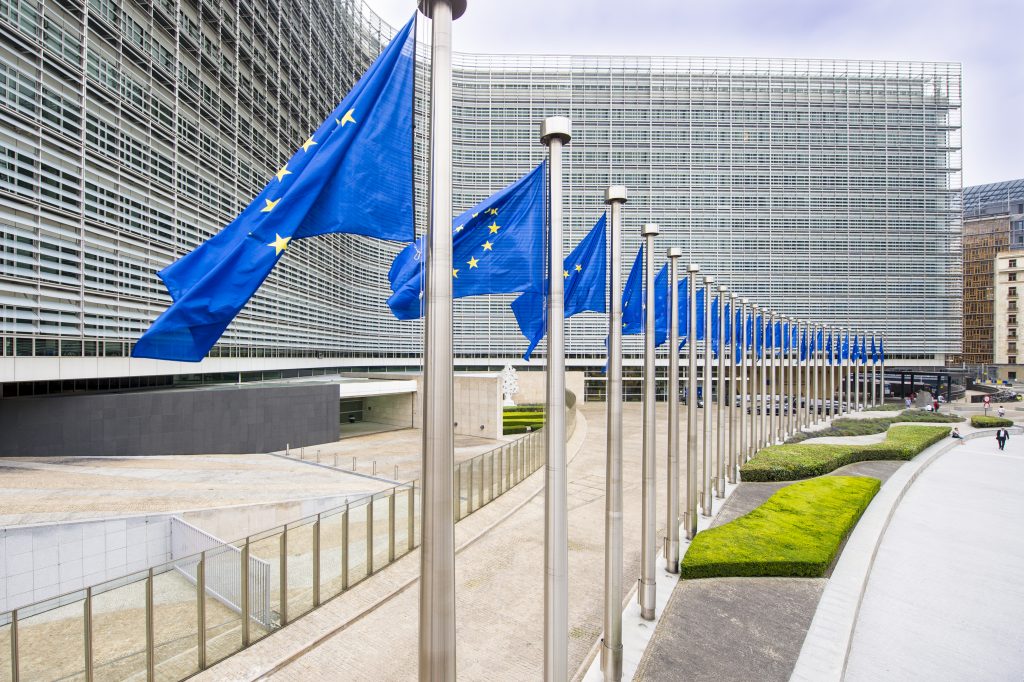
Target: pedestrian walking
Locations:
point(1001, 412)
point(935, 405)
point(1002, 435)
point(907, 401)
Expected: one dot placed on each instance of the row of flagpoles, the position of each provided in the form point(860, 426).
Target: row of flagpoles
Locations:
point(354, 175)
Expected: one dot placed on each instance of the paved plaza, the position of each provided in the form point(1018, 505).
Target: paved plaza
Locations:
point(945, 599)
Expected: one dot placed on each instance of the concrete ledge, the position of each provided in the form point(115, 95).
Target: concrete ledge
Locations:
point(826, 648)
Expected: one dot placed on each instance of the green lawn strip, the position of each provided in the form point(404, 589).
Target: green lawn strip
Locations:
point(982, 422)
point(887, 407)
point(803, 460)
point(863, 427)
point(515, 421)
point(524, 408)
point(796, 532)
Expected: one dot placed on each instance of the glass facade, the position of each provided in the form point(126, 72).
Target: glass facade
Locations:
point(130, 132)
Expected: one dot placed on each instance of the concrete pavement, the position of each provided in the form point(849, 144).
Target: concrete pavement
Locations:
point(945, 598)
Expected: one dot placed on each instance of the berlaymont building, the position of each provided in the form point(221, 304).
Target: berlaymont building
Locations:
point(131, 131)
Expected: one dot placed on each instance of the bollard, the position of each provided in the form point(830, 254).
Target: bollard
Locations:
point(317, 456)
point(396, 472)
point(374, 467)
point(335, 460)
point(287, 449)
point(353, 464)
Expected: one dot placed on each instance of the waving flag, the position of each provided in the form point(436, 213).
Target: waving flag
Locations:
point(828, 348)
point(738, 341)
point(634, 303)
point(352, 175)
point(804, 349)
point(759, 336)
point(715, 302)
point(584, 271)
point(496, 249)
point(684, 311)
point(874, 351)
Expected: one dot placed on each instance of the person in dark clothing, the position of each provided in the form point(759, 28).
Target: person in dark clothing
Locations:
point(1002, 435)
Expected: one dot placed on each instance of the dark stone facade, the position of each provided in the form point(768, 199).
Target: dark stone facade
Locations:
point(172, 422)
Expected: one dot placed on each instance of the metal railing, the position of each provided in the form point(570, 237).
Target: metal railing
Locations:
point(214, 599)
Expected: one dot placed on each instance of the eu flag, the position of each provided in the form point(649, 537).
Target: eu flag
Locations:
point(804, 347)
point(584, 271)
point(699, 312)
point(846, 347)
point(855, 354)
point(785, 337)
point(684, 311)
point(769, 335)
point(496, 249)
point(352, 175)
point(634, 302)
point(874, 351)
point(828, 348)
point(737, 337)
point(863, 350)
point(819, 342)
point(759, 336)
point(748, 340)
point(715, 302)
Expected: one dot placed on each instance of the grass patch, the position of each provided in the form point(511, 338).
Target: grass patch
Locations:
point(796, 532)
point(803, 460)
point(522, 418)
point(864, 427)
point(889, 407)
point(980, 421)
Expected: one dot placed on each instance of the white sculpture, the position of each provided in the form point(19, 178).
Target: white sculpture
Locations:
point(509, 384)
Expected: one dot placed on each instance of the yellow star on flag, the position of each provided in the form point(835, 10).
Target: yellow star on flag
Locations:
point(307, 144)
point(488, 246)
point(283, 172)
point(472, 262)
point(270, 205)
point(476, 214)
point(492, 211)
point(455, 273)
point(459, 228)
point(494, 227)
point(579, 268)
point(347, 118)
point(279, 244)
point(565, 273)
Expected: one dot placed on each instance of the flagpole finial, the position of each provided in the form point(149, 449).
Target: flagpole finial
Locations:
point(734, 295)
point(709, 279)
point(556, 126)
point(615, 193)
point(674, 252)
point(458, 7)
point(693, 267)
point(745, 301)
point(722, 289)
point(650, 229)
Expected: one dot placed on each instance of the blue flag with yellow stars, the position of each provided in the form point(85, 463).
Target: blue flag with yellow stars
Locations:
point(846, 347)
point(496, 249)
point(684, 311)
point(737, 334)
point(352, 175)
point(855, 353)
point(874, 351)
point(715, 302)
point(805, 348)
point(828, 348)
point(863, 350)
point(699, 312)
point(584, 273)
point(748, 337)
point(759, 336)
point(634, 303)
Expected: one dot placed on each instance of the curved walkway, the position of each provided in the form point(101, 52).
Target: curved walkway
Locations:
point(945, 598)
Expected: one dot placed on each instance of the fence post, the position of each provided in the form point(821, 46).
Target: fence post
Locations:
point(87, 622)
point(469, 486)
point(344, 549)
point(457, 497)
point(150, 630)
point(480, 490)
point(492, 478)
point(201, 609)
point(282, 586)
point(411, 511)
point(14, 645)
point(316, 560)
point(506, 458)
point(391, 526)
point(369, 537)
point(244, 596)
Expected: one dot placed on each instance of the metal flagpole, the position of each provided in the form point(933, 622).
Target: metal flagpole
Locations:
point(734, 438)
point(791, 397)
point(856, 381)
point(437, 554)
point(720, 454)
point(611, 647)
point(844, 376)
point(773, 422)
point(744, 399)
point(881, 370)
point(649, 491)
point(707, 472)
point(759, 368)
point(555, 132)
point(807, 391)
point(815, 379)
point(874, 373)
point(690, 513)
point(672, 485)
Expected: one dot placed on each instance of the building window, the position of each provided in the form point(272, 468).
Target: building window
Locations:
point(1013, 262)
point(1013, 291)
point(1012, 319)
point(1013, 276)
point(1012, 359)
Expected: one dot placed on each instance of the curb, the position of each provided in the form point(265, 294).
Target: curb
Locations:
point(826, 648)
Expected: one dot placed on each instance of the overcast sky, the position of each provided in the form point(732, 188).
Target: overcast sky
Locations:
point(984, 35)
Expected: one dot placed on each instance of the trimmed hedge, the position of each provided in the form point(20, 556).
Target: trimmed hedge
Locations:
point(524, 408)
point(796, 532)
point(863, 427)
point(803, 460)
point(982, 422)
point(516, 420)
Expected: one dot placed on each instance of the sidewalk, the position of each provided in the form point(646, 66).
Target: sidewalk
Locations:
point(945, 599)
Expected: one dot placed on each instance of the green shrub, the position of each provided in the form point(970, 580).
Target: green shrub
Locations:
point(803, 460)
point(863, 427)
point(796, 532)
point(888, 407)
point(982, 422)
point(524, 408)
point(517, 419)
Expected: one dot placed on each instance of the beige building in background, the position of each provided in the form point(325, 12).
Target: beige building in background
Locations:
point(1008, 289)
